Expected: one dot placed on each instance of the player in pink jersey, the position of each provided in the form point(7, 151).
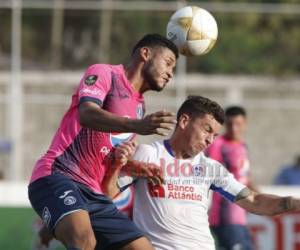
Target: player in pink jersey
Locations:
point(107, 109)
point(228, 220)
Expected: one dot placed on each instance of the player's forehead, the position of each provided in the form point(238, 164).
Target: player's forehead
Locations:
point(208, 120)
point(236, 118)
point(164, 52)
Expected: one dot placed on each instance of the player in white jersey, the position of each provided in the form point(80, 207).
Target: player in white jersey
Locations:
point(174, 214)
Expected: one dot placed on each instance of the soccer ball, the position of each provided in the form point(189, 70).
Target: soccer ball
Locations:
point(193, 30)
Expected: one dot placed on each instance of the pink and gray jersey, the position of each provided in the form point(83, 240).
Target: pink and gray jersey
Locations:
point(234, 156)
point(82, 153)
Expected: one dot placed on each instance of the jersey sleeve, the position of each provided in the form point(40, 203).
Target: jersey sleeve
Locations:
point(224, 183)
point(143, 154)
point(95, 84)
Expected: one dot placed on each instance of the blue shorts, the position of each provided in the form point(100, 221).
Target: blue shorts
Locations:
point(56, 196)
point(231, 237)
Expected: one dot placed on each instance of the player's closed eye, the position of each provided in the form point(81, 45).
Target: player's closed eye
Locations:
point(208, 129)
point(169, 63)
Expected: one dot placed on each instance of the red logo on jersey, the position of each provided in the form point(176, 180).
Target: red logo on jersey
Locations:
point(156, 190)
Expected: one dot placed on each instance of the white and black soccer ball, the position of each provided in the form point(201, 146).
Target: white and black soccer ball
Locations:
point(193, 30)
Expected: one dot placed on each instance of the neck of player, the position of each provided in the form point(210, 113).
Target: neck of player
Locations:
point(178, 148)
point(133, 72)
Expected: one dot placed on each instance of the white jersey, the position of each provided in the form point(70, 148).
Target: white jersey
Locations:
point(174, 215)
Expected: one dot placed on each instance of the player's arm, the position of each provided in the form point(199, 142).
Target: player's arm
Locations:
point(123, 161)
point(253, 202)
point(266, 204)
point(252, 186)
point(122, 154)
point(110, 184)
point(91, 115)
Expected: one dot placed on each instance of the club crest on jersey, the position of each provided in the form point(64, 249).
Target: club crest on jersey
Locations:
point(90, 80)
point(119, 138)
point(198, 170)
point(139, 111)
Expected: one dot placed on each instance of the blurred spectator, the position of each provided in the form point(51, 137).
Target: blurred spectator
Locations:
point(5, 149)
point(289, 175)
point(228, 220)
point(5, 146)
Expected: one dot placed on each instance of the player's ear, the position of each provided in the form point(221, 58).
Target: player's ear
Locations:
point(145, 53)
point(183, 121)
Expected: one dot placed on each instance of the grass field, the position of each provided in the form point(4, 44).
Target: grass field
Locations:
point(16, 230)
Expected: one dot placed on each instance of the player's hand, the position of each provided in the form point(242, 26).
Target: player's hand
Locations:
point(152, 172)
point(43, 238)
point(124, 152)
point(157, 177)
point(156, 123)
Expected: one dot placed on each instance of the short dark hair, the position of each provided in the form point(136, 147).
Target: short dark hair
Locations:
point(155, 40)
point(198, 106)
point(235, 111)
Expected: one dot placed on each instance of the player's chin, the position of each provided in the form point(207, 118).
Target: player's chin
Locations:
point(158, 87)
point(162, 85)
point(193, 152)
point(197, 150)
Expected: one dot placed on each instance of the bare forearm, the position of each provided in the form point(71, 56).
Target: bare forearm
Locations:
point(274, 205)
point(267, 204)
point(253, 187)
point(135, 168)
point(141, 169)
point(109, 184)
point(104, 121)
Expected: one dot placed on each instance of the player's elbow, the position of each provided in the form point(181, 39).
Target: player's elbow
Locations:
point(86, 113)
point(83, 120)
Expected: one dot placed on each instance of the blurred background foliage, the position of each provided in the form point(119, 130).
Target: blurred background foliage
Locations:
point(248, 43)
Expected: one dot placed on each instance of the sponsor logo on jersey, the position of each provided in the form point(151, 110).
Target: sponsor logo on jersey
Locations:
point(90, 80)
point(46, 216)
point(186, 169)
point(156, 190)
point(105, 150)
point(90, 91)
point(119, 138)
point(183, 192)
point(65, 194)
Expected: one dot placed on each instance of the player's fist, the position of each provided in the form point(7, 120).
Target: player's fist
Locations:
point(152, 172)
point(124, 152)
point(156, 123)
